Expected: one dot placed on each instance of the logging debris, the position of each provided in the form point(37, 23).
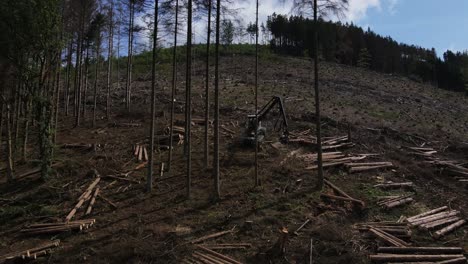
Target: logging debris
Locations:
point(341, 195)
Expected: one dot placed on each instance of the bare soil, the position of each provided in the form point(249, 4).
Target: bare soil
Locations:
point(384, 113)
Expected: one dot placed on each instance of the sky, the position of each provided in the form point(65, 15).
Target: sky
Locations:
point(427, 23)
point(430, 24)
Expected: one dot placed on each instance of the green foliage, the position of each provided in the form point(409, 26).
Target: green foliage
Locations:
point(364, 59)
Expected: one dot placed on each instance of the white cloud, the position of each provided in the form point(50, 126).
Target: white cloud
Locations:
point(392, 6)
point(358, 9)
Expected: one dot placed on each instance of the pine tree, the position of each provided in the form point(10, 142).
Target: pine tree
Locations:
point(365, 59)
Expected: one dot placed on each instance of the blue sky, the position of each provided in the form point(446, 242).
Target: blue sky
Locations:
point(426, 23)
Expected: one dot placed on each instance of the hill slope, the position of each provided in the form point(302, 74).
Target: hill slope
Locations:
point(383, 113)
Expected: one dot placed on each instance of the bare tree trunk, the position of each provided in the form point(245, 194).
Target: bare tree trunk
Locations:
point(207, 86)
point(10, 168)
point(149, 183)
point(109, 59)
point(57, 96)
point(1, 122)
point(26, 130)
point(96, 77)
point(188, 102)
point(216, 112)
point(66, 97)
point(174, 84)
point(257, 179)
point(130, 54)
point(86, 81)
point(317, 103)
point(78, 77)
point(16, 113)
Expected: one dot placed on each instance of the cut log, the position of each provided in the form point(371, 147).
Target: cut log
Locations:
point(368, 164)
point(218, 234)
point(341, 198)
point(221, 256)
point(432, 218)
point(137, 150)
point(108, 201)
point(207, 259)
point(434, 211)
point(368, 168)
point(145, 154)
point(453, 261)
point(438, 223)
point(19, 254)
point(342, 145)
point(431, 250)
point(91, 186)
point(339, 191)
point(398, 203)
point(91, 203)
point(122, 179)
point(140, 153)
point(302, 226)
point(449, 229)
point(395, 185)
point(390, 239)
point(411, 258)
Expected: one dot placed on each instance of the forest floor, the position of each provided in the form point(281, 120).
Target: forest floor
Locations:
point(384, 114)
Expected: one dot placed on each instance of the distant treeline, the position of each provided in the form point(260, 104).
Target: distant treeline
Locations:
point(351, 45)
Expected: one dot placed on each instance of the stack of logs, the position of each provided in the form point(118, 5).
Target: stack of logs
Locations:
point(164, 140)
point(140, 152)
point(391, 233)
point(389, 202)
point(457, 169)
point(49, 228)
point(330, 159)
point(441, 255)
point(340, 195)
point(443, 219)
point(32, 253)
point(327, 143)
point(338, 159)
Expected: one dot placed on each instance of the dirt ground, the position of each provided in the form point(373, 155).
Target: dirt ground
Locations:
point(384, 113)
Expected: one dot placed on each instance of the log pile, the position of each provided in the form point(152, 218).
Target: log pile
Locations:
point(340, 195)
point(59, 227)
point(32, 253)
point(439, 255)
point(302, 138)
point(127, 125)
point(140, 152)
point(164, 140)
point(396, 229)
point(395, 201)
point(441, 219)
point(331, 159)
